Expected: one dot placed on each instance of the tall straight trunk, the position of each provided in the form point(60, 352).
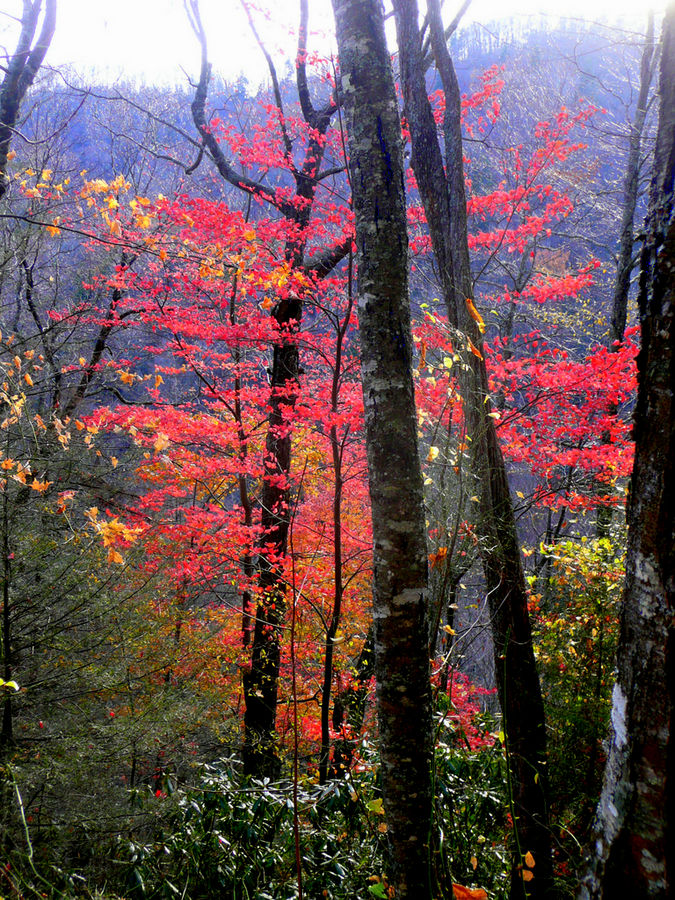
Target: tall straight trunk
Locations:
point(440, 178)
point(626, 258)
point(634, 842)
point(399, 531)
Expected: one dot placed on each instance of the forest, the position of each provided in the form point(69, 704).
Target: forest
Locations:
point(337, 465)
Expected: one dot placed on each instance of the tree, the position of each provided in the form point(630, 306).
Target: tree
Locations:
point(296, 207)
point(634, 844)
point(20, 72)
point(441, 185)
point(395, 482)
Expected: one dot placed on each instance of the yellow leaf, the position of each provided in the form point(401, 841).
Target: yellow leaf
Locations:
point(382, 827)
point(161, 442)
point(126, 378)
point(529, 860)
point(249, 234)
point(113, 460)
point(474, 863)
point(158, 380)
point(432, 454)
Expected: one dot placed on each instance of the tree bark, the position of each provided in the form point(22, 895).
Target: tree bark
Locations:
point(440, 178)
point(395, 480)
point(634, 842)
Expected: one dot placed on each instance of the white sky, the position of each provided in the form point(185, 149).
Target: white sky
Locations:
point(151, 40)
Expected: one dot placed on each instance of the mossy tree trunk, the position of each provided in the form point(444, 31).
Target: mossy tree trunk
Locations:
point(399, 532)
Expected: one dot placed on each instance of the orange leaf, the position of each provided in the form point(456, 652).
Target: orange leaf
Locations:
point(474, 349)
point(114, 556)
point(475, 315)
point(529, 860)
point(527, 875)
point(459, 892)
point(435, 558)
point(423, 354)
point(40, 485)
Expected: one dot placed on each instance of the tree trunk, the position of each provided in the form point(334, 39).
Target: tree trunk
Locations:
point(634, 842)
point(626, 259)
point(350, 709)
point(399, 530)
point(441, 186)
